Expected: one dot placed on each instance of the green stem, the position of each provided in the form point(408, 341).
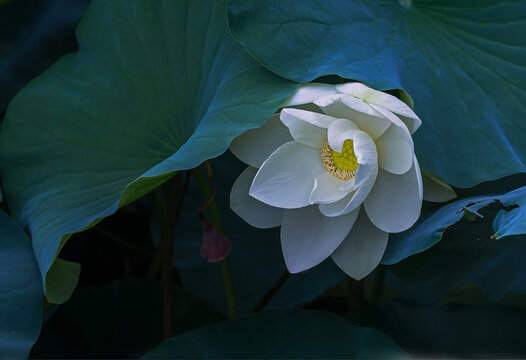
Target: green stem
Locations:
point(122, 242)
point(378, 285)
point(215, 216)
point(355, 296)
point(271, 291)
point(165, 246)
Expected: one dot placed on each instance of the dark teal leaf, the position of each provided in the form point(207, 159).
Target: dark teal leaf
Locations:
point(470, 251)
point(123, 319)
point(451, 331)
point(280, 334)
point(431, 225)
point(156, 87)
point(462, 62)
point(35, 34)
point(21, 292)
point(256, 258)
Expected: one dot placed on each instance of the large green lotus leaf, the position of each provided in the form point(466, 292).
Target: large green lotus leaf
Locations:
point(21, 292)
point(156, 87)
point(279, 334)
point(35, 34)
point(256, 258)
point(452, 331)
point(466, 250)
point(122, 319)
point(462, 62)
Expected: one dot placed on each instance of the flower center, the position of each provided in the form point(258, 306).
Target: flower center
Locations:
point(341, 165)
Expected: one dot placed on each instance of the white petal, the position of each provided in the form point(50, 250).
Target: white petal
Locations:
point(362, 114)
point(307, 93)
point(395, 150)
point(327, 189)
point(364, 147)
point(389, 102)
point(308, 237)
point(362, 250)
point(255, 145)
point(339, 131)
point(307, 127)
point(395, 201)
point(311, 117)
point(254, 212)
point(395, 156)
point(286, 178)
point(356, 89)
point(365, 180)
point(393, 118)
point(436, 189)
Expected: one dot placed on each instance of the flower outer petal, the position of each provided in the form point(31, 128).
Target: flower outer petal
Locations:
point(395, 156)
point(389, 102)
point(254, 146)
point(286, 178)
point(327, 189)
point(304, 126)
point(395, 201)
point(254, 212)
point(365, 180)
point(395, 120)
point(395, 146)
point(307, 93)
point(436, 189)
point(362, 114)
point(308, 237)
point(362, 250)
point(311, 117)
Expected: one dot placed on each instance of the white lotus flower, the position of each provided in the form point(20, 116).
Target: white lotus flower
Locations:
point(337, 170)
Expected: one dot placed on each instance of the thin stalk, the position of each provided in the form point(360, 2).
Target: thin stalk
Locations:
point(122, 242)
point(168, 216)
point(215, 216)
point(355, 296)
point(378, 285)
point(271, 291)
point(164, 246)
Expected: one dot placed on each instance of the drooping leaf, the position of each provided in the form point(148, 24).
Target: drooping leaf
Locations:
point(463, 64)
point(21, 292)
point(156, 87)
point(463, 250)
point(121, 320)
point(256, 258)
point(62, 279)
point(35, 34)
point(280, 334)
point(451, 331)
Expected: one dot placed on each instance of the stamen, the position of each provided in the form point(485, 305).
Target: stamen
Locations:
point(340, 165)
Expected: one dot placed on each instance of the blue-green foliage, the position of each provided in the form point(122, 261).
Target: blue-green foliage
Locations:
point(462, 62)
point(157, 86)
point(278, 334)
point(472, 251)
point(21, 292)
